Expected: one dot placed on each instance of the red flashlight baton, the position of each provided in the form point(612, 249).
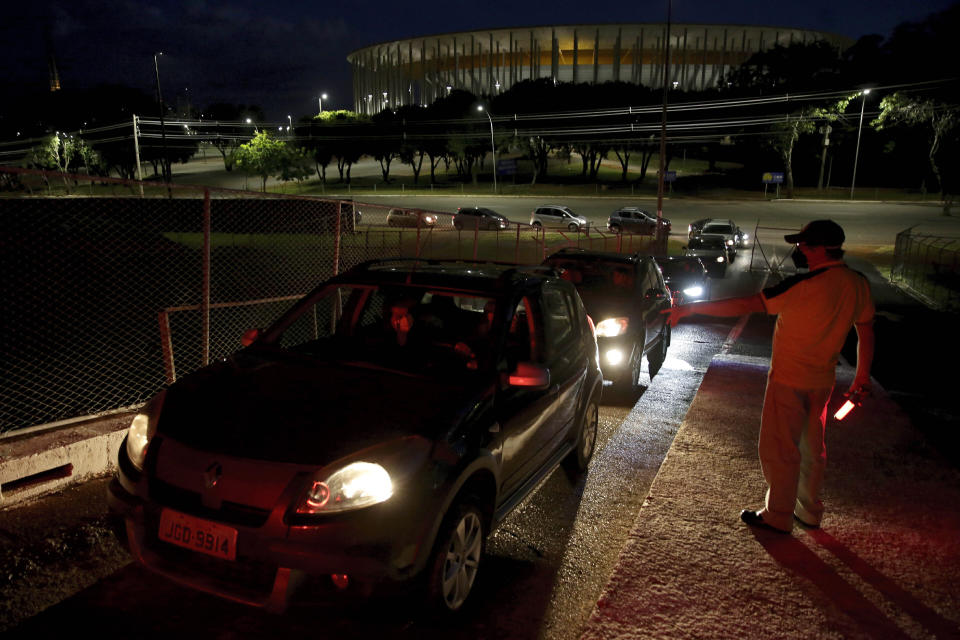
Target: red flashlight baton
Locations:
point(852, 401)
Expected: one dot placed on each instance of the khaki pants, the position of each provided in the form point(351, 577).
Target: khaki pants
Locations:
point(792, 453)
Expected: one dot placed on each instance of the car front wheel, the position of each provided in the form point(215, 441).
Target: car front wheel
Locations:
point(573, 226)
point(456, 557)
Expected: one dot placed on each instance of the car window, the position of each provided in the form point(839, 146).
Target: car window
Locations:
point(320, 320)
point(718, 228)
point(560, 329)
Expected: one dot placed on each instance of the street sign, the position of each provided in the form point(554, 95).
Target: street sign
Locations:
point(773, 177)
point(670, 176)
point(507, 167)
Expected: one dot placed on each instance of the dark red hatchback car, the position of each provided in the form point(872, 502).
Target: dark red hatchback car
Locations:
point(376, 433)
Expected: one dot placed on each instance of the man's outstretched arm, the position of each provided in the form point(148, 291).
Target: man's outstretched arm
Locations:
point(731, 307)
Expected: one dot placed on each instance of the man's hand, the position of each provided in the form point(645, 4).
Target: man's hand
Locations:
point(859, 390)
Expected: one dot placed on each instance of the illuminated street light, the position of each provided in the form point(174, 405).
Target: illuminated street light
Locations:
point(163, 128)
point(856, 155)
point(320, 100)
point(492, 146)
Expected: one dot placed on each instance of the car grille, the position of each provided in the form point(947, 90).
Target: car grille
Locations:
point(190, 502)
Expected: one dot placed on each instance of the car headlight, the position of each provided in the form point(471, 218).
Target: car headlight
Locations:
point(744, 237)
point(614, 357)
point(429, 219)
point(729, 243)
point(693, 292)
point(142, 429)
point(612, 327)
point(721, 259)
point(357, 485)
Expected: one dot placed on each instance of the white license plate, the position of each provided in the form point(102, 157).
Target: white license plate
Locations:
point(197, 534)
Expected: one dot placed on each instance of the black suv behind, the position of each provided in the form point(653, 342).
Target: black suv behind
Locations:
point(624, 295)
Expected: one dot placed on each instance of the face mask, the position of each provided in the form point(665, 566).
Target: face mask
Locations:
point(799, 260)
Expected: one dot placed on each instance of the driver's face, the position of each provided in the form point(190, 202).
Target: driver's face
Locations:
point(400, 319)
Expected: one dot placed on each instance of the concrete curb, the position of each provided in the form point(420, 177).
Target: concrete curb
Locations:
point(36, 464)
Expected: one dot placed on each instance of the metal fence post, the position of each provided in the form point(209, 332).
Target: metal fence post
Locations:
point(166, 345)
point(205, 287)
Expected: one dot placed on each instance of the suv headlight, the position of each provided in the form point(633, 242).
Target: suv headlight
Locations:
point(142, 429)
point(357, 485)
point(612, 327)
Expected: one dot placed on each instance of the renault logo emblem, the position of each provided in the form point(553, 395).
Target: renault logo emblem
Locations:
point(212, 475)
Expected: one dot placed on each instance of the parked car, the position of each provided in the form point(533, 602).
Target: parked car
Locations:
point(624, 295)
point(479, 218)
point(375, 433)
point(410, 218)
point(635, 220)
point(712, 251)
point(686, 277)
point(553, 216)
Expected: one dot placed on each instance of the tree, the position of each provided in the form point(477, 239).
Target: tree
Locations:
point(786, 133)
point(63, 153)
point(263, 156)
point(340, 130)
point(230, 127)
point(940, 118)
point(384, 145)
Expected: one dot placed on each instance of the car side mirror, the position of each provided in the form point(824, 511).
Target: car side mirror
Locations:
point(530, 375)
point(249, 337)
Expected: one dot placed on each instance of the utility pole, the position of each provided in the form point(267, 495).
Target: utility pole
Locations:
point(663, 127)
point(163, 129)
point(136, 152)
point(826, 129)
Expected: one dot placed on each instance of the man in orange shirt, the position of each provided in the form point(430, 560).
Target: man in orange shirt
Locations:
point(815, 311)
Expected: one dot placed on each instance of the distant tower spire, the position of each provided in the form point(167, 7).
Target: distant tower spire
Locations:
point(52, 61)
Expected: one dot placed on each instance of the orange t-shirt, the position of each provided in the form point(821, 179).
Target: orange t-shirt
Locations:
point(815, 312)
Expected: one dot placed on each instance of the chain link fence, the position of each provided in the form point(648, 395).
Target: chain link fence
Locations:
point(109, 294)
point(928, 267)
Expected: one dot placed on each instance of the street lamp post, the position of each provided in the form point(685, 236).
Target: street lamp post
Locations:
point(856, 155)
point(163, 128)
point(289, 125)
point(320, 100)
point(492, 146)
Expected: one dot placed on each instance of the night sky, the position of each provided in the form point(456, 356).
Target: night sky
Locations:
point(281, 55)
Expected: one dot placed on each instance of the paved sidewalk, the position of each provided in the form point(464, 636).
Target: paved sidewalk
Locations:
point(884, 563)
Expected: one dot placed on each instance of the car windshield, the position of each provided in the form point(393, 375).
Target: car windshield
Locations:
point(706, 243)
point(412, 330)
point(597, 275)
point(680, 268)
point(718, 228)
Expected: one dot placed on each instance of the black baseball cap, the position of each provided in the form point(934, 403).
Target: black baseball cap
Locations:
point(819, 233)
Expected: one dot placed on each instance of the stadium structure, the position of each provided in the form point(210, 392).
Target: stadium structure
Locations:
point(485, 62)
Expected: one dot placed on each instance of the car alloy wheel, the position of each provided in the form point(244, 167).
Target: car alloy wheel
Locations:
point(457, 557)
point(573, 227)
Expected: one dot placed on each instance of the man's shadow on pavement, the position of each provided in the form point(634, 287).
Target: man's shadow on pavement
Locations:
point(858, 616)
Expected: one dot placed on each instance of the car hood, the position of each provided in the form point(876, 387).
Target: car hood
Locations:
point(600, 305)
point(307, 412)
